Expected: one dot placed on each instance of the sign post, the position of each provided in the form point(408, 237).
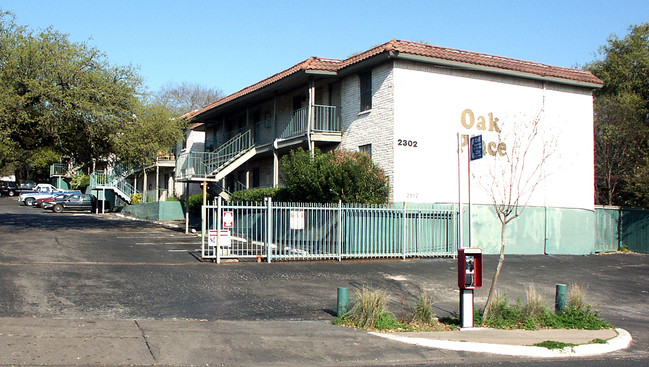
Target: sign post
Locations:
point(466, 265)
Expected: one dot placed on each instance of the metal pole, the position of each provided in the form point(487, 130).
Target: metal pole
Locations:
point(340, 229)
point(466, 308)
point(343, 301)
point(560, 300)
point(460, 221)
point(468, 160)
point(405, 229)
point(219, 215)
point(187, 209)
point(269, 225)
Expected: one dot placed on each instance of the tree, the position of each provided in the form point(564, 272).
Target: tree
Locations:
point(151, 130)
point(620, 146)
point(350, 177)
point(186, 97)
point(59, 94)
point(622, 119)
point(512, 179)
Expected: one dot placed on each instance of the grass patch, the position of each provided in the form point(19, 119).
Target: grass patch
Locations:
point(551, 344)
point(370, 312)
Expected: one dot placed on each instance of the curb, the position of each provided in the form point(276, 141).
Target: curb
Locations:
point(621, 341)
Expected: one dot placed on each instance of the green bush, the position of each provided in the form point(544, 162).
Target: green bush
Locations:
point(535, 314)
point(172, 198)
point(80, 182)
point(196, 201)
point(136, 198)
point(351, 177)
point(258, 195)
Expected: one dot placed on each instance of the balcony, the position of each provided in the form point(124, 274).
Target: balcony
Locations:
point(237, 146)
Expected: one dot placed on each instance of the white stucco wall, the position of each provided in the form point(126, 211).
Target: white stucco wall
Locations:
point(429, 104)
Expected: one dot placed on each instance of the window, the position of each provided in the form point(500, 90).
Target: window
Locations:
point(367, 149)
point(366, 90)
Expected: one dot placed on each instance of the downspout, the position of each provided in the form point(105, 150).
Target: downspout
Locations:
point(309, 120)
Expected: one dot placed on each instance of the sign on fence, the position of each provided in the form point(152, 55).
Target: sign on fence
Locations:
point(228, 219)
point(297, 219)
point(213, 241)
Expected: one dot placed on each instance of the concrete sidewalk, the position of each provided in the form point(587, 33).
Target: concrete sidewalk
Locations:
point(36, 341)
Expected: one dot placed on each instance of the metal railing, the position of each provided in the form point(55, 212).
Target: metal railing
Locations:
point(58, 169)
point(290, 231)
point(206, 164)
point(115, 178)
point(295, 125)
point(325, 119)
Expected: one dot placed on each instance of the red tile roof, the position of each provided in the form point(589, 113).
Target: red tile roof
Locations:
point(396, 47)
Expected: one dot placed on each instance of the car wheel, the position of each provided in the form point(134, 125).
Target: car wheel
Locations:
point(11, 193)
point(29, 201)
point(57, 208)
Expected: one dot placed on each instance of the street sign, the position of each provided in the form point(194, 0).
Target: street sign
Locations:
point(228, 219)
point(476, 147)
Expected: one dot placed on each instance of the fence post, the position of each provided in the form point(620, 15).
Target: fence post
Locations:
point(340, 228)
point(269, 227)
point(204, 231)
point(218, 224)
point(405, 229)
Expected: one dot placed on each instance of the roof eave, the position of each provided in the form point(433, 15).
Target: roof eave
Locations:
point(494, 70)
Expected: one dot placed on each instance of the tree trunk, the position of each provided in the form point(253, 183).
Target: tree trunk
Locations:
point(501, 260)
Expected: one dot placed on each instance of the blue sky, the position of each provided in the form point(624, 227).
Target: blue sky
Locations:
point(230, 45)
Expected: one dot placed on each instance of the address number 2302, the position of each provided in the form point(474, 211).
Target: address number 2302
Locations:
point(407, 143)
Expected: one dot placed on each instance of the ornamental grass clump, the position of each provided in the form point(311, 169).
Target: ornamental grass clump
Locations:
point(422, 313)
point(370, 312)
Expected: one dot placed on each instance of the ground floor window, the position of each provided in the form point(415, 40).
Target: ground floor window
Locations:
point(367, 149)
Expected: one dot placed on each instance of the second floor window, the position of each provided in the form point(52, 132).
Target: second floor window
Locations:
point(366, 90)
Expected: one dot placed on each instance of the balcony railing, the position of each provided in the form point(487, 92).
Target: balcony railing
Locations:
point(290, 124)
point(206, 164)
point(58, 169)
point(325, 119)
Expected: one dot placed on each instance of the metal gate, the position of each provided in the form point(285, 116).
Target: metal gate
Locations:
point(292, 231)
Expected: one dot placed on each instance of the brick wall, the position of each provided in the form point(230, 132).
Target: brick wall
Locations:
point(375, 126)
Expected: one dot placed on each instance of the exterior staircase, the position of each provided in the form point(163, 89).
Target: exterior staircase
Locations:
point(214, 166)
point(114, 179)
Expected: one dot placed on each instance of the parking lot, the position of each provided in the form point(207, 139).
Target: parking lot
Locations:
point(105, 267)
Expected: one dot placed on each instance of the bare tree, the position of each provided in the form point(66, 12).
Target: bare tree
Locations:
point(512, 179)
point(185, 97)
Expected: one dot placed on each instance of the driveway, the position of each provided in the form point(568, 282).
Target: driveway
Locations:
point(102, 267)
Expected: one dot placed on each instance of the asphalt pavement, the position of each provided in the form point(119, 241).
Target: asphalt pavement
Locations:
point(86, 289)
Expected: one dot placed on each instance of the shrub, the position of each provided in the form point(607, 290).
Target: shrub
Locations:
point(351, 177)
point(258, 194)
point(370, 311)
point(172, 198)
point(535, 307)
point(423, 313)
point(136, 198)
point(576, 297)
point(196, 201)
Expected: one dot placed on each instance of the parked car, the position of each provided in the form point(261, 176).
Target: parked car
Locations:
point(8, 188)
point(74, 202)
point(42, 191)
point(40, 203)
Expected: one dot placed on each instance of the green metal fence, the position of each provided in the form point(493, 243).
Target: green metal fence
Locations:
point(622, 227)
point(291, 231)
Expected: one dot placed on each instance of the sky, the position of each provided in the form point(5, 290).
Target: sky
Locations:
point(231, 45)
